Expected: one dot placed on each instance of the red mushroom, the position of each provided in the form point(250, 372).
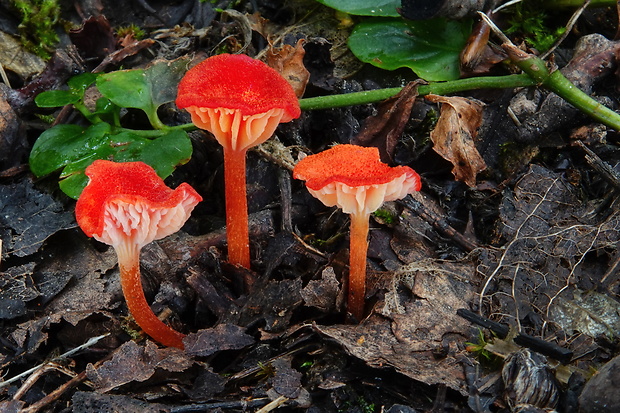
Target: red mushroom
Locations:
point(126, 205)
point(354, 178)
point(241, 101)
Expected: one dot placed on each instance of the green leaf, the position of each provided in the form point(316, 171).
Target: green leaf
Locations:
point(163, 78)
point(163, 154)
point(62, 144)
point(127, 88)
point(430, 48)
point(385, 8)
point(82, 81)
point(72, 148)
point(56, 98)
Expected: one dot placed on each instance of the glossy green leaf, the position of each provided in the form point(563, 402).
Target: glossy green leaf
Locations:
point(56, 98)
point(386, 8)
point(62, 144)
point(430, 48)
point(163, 154)
point(127, 88)
point(82, 81)
point(72, 148)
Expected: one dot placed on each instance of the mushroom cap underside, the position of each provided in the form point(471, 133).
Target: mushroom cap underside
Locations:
point(130, 201)
point(354, 178)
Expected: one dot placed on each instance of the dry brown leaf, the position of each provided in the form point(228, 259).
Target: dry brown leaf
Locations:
point(418, 333)
point(454, 135)
point(383, 129)
point(288, 60)
point(134, 363)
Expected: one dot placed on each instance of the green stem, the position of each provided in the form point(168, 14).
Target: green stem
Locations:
point(536, 73)
point(437, 88)
point(92, 118)
point(154, 119)
point(556, 4)
point(556, 82)
point(155, 133)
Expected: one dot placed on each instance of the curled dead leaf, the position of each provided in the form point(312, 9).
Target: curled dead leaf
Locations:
point(454, 136)
point(288, 61)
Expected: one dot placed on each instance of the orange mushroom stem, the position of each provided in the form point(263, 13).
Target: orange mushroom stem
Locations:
point(354, 179)
point(127, 206)
point(241, 101)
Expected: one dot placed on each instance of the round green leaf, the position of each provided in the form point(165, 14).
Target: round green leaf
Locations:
point(127, 88)
point(62, 144)
point(430, 48)
point(386, 8)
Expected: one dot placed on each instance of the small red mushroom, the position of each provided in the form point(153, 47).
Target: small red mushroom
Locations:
point(354, 178)
point(241, 101)
point(127, 205)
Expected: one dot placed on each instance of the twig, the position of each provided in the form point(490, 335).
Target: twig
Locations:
point(273, 405)
point(69, 353)
point(601, 167)
point(439, 223)
point(54, 395)
point(539, 345)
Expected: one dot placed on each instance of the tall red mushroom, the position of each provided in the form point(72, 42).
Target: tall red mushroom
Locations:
point(241, 101)
point(126, 205)
point(354, 178)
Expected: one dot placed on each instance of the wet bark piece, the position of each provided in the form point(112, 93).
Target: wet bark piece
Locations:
point(455, 134)
point(211, 340)
point(601, 395)
point(28, 217)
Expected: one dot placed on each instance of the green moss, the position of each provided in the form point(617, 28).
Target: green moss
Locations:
point(37, 28)
point(530, 21)
point(385, 216)
point(132, 30)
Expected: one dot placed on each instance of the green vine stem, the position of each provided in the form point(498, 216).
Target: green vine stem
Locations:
point(438, 88)
point(536, 73)
point(556, 82)
point(556, 4)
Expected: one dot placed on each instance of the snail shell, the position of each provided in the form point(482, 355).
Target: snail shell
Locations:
point(528, 380)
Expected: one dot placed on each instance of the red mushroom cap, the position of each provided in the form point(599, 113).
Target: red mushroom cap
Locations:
point(237, 82)
point(239, 99)
point(129, 201)
point(354, 178)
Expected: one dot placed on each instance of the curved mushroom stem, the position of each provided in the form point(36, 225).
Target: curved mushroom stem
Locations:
point(129, 264)
point(237, 233)
point(357, 264)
